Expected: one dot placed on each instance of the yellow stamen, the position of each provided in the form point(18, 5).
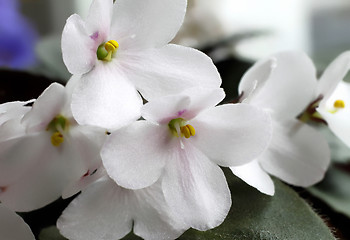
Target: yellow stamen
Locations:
point(105, 51)
point(192, 131)
point(187, 131)
point(111, 45)
point(57, 139)
point(339, 104)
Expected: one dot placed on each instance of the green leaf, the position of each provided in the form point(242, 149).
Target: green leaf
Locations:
point(51, 233)
point(255, 216)
point(334, 190)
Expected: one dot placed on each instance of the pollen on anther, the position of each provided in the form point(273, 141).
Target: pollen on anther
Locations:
point(57, 139)
point(339, 104)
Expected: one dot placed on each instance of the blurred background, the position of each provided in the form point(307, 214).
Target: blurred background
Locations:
point(245, 29)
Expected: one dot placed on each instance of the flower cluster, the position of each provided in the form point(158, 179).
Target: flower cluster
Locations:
point(138, 129)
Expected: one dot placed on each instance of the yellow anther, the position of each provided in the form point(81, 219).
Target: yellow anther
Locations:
point(339, 104)
point(57, 139)
point(192, 131)
point(187, 131)
point(111, 45)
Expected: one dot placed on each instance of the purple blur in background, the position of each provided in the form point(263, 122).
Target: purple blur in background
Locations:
point(17, 37)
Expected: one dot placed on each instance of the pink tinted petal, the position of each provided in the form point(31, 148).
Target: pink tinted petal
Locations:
point(99, 19)
point(333, 74)
point(255, 176)
point(105, 98)
point(140, 24)
point(169, 70)
point(232, 134)
point(100, 212)
point(48, 105)
point(196, 189)
point(83, 182)
point(290, 86)
point(78, 48)
point(298, 154)
point(12, 226)
point(39, 186)
point(185, 105)
point(134, 156)
point(116, 210)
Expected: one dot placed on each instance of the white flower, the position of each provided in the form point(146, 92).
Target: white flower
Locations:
point(11, 114)
point(335, 97)
point(283, 86)
point(107, 211)
point(122, 48)
point(51, 152)
point(12, 226)
point(183, 140)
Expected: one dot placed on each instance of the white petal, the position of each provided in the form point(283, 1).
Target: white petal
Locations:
point(298, 154)
point(107, 211)
point(12, 226)
point(255, 176)
point(78, 48)
point(255, 78)
point(99, 19)
point(153, 219)
point(232, 134)
point(45, 108)
point(104, 98)
point(41, 185)
point(134, 156)
point(196, 189)
point(185, 105)
point(100, 212)
point(86, 180)
point(290, 86)
point(13, 110)
point(20, 154)
point(333, 74)
point(139, 24)
point(169, 70)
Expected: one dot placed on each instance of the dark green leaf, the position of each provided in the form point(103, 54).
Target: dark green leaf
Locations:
point(334, 190)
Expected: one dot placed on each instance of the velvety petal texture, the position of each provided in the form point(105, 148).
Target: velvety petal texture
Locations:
point(107, 211)
point(186, 105)
point(141, 24)
point(196, 188)
point(105, 98)
point(232, 134)
point(253, 174)
point(298, 154)
point(12, 226)
point(333, 74)
point(78, 49)
point(168, 70)
point(291, 79)
point(338, 118)
point(134, 156)
point(48, 105)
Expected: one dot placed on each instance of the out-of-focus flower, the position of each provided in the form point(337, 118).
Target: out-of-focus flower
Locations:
point(17, 37)
point(283, 86)
point(183, 140)
point(122, 48)
point(12, 226)
point(107, 211)
point(37, 165)
point(335, 97)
